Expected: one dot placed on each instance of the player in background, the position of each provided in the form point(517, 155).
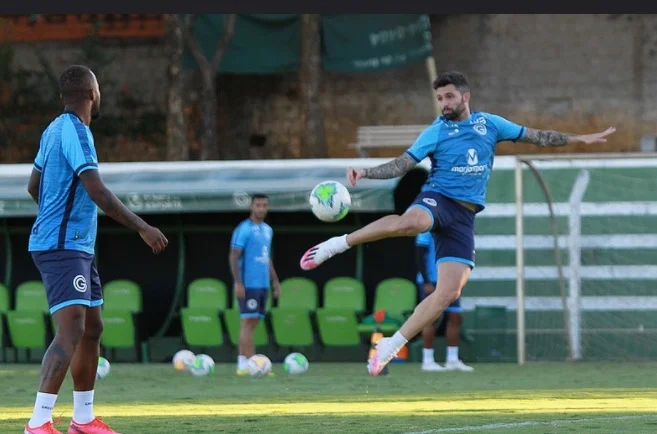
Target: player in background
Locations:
point(425, 259)
point(461, 145)
point(66, 185)
point(253, 273)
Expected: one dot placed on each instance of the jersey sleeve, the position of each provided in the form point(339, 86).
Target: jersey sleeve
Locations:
point(239, 238)
point(39, 161)
point(506, 130)
point(423, 239)
point(425, 143)
point(77, 150)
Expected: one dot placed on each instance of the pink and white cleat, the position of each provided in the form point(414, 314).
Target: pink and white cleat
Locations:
point(317, 255)
point(46, 428)
point(383, 354)
point(96, 426)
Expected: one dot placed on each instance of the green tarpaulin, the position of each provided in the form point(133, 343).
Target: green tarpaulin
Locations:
point(271, 43)
point(261, 44)
point(215, 186)
point(371, 42)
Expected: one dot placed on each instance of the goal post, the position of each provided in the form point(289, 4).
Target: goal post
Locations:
point(599, 210)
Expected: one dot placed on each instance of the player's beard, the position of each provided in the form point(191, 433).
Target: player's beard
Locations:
point(455, 113)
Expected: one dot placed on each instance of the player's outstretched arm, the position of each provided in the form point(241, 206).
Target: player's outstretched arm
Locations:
point(547, 138)
point(392, 169)
point(113, 207)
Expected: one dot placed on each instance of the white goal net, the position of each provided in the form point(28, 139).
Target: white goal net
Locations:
point(567, 259)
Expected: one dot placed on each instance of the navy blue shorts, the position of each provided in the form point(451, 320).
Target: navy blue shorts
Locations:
point(454, 307)
point(70, 277)
point(254, 303)
point(452, 227)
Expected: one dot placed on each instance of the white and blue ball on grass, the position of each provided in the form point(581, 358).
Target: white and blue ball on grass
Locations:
point(201, 366)
point(103, 369)
point(295, 364)
point(330, 201)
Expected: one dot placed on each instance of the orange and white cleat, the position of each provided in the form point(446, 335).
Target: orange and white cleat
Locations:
point(96, 426)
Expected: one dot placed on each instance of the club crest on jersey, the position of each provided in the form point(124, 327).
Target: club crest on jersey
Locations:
point(480, 128)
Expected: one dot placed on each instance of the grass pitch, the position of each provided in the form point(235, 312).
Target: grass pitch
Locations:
point(331, 398)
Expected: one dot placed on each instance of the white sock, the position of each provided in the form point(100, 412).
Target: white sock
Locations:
point(452, 354)
point(398, 341)
point(427, 356)
point(241, 362)
point(83, 406)
point(342, 243)
point(43, 406)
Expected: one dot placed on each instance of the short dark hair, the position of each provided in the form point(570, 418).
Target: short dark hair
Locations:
point(259, 196)
point(452, 77)
point(75, 81)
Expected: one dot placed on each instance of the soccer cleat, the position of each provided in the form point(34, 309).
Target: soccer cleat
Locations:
point(46, 428)
point(432, 367)
point(383, 354)
point(242, 372)
point(96, 426)
point(317, 255)
point(458, 365)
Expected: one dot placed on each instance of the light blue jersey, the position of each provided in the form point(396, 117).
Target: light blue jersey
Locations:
point(426, 240)
point(254, 239)
point(67, 217)
point(462, 154)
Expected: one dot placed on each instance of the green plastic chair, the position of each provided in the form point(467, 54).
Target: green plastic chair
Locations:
point(396, 296)
point(298, 293)
point(4, 299)
point(207, 292)
point(201, 327)
point(122, 294)
point(344, 292)
point(119, 329)
point(27, 329)
point(338, 327)
point(291, 327)
point(31, 296)
point(233, 324)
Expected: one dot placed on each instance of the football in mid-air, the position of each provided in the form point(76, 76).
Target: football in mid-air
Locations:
point(330, 201)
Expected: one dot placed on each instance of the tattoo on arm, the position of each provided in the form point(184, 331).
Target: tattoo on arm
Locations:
point(234, 261)
point(545, 138)
point(392, 169)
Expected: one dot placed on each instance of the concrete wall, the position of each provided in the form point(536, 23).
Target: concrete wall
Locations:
point(574, 73)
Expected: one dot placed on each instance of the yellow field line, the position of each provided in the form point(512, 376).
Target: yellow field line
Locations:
point(499, 406)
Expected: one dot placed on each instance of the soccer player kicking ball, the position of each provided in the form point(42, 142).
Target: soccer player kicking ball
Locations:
point(67, 187)
point(461, 146)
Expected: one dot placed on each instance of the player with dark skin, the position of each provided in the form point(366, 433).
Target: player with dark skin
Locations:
point(79, 328)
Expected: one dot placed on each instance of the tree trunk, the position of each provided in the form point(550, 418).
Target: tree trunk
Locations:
point(177, 141)
point(209, 145)
point(314, 140)
point(209, 69)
